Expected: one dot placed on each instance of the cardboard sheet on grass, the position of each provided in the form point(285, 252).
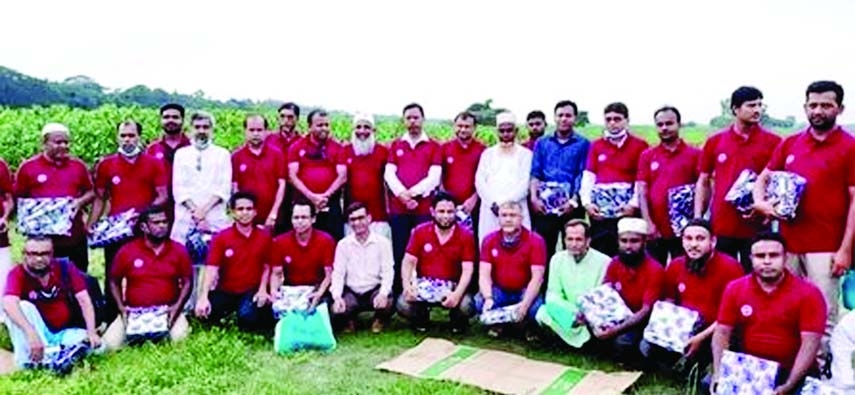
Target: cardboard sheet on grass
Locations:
point(503, 372)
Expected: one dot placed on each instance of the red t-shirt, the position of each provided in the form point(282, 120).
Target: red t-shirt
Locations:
point(316, 173)
point(611, 163)
point(152, 278)
point(38, 177)
point(770, 324)
point(129, 185)
point(6, 187)
point(511, 267)
point(441, 261)
point(240, 259)
point(276, 140)
point(724, 156)
point(637, 286)
point(702, 292)
point(260, 175)
point(365, 180)
point(529, 144)
point(458, 168)
point(661, 170)
point(163, 152)
point(413, 165)
point(829, 168)
point(51, 300)
point(304, 265)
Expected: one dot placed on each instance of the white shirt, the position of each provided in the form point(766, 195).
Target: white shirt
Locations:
point(501, 177)
point(198, 176)
point(362, 267)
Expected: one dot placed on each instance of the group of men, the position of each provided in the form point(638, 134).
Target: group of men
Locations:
point(365, 224)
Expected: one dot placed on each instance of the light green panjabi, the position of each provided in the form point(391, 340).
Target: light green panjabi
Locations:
point(567, 281)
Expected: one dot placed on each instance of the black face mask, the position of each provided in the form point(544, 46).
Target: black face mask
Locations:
point(631, 259)
point(695, 266)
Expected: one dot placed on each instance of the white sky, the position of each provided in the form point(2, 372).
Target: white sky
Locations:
point(379, 55)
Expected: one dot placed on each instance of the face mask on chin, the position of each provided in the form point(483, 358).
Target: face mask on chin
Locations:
point(130, 150)
point(201, 143)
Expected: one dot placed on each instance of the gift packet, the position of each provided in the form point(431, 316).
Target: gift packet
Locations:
point(148, 322)
point(670, 326)
point(743, 374)
point(432, 290)
point(292, 298)
point(603, 307)
point(500, 315)
point(785, 190)
point(681, 207)
point(814, 386)
point(45, 216)
point(611, 198)
point(113, 229)
point(554, 195)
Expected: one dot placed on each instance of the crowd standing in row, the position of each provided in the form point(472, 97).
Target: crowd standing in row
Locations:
point(361, 222)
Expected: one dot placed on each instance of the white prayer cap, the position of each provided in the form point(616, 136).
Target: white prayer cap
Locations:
point(54, 127)
point(632, 225)
point(506, 117)
point(363, 117)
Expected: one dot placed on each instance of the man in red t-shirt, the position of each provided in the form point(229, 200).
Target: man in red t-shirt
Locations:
point(366, 162)
point(126, 180)
point(773, 315)
point(413, 172)
point(38, 305)
point(260, 169)
point(443, 252)
point(460, 158)
point(744, 145)
point(303, 256)
point(671, 164)
point(163, 149)
point(513, 263)
point(536, 124)
point(7, 204)
point(638, 279)
point(55, 173)
point(281, 139)
point(612, 164)
point(158, 273)
point(238, 270)
point(317, 170)
point(695, 281)
point(821, 236)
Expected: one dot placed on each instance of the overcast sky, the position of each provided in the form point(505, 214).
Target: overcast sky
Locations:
point(379, 55)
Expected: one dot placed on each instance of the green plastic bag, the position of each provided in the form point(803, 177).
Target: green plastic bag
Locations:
point(299, 330)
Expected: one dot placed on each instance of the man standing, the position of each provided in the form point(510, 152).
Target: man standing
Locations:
point(671, 164)
point(559, 158)
point(820, 237)
point(239, 265)
point(366, 162)
point(775, 315)
point(39, 313)
point(743, 145)
point(363, 272)
point(502, 176)
point(158, 273)
point(55, 173)
point(442, 251)
point(126, 180)
point(260, 170)
point(412, 174)
point(164, 148)
point(611, 170)
point(317, 170)
point(536, 123)
point(281, 139)
point(513, 261)
point(460, 158)
point(201, 182)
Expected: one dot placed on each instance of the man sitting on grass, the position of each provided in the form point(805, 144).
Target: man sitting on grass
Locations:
point(513, 261)
point(441, 254)
point(38, 303)
point(159, 277)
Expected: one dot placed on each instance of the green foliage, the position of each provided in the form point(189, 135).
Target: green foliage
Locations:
point(726, 118)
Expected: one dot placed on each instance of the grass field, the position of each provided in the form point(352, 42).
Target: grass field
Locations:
point(225, 361)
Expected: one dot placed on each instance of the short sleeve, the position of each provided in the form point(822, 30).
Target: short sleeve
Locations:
point(329, 252)
point(669, 286)
point(468, 247)
point(727, 312)
point(538, 251)
point(653, 288)
point(392, 158)
point(776, 161)
point(78, 283)
point(436, 156)
point(5, 178)
point(15, 282)
point(102, 179)
point(706, 163)
point(850, 170)
point(215, 255)
point(643, 174)
point(185, 265)
point(488, 245)
point(812, 312)
point(591, 158)
point(415, 243)
point(276, 251)
point(294, 152)
point(611, 273)
point(84, 178)
point(119, 268)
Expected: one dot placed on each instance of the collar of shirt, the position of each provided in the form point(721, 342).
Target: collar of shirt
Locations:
point(673, 151)
point(619, 142)
point(570, 140)
point(372, 238)
point(409, 139)
point(755, 283)
point(830, 138)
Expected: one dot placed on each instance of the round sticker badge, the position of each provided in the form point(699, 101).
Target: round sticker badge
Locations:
point(746, 310)
point(229, 252)
point(302, 153)
point(450, 160)
point(428, 247)
point(287, 259)
point(159, 155)
point(495, 253)
point(617, 286)
point(349, 161)
point(654, 166)
point(602, 158)
point(41, 178)
point(116, 180)
point(790, 158)
point(242, 167)
point(138, 263)
point(399, 152)
point(681, 287)
point(722, 157)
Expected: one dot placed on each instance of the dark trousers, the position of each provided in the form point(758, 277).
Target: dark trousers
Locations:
point(551, 226)
point(283, 217)
point(604, 236)
point(250, 317)
point(111, 310)
point(355, 303)
point(402, 225)
point(737, 248)
point(661, 248)
point(332, 220)
point(78, 254)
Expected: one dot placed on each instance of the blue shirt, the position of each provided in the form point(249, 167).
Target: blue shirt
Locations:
point(561, 162)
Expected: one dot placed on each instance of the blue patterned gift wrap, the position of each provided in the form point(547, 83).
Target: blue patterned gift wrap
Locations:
point(670, 326)
point(45, 216)
point(60, 359)
point(148, 320)
point(463, 219)
point(784, 190)
point(743, 374)
point(611, 198)
point(603, 307)
point(113, 229)
point(554, 195)
point(499, 315)
point(740, 193)
point(432, 290)
point(681, 207)
point(292, 298)
point(197, 243)
point(816, 387)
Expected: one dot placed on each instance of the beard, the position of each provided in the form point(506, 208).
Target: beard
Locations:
point(443, 225)
point(201, 142)
point(695, 266)
point(823, 124)
point(363, 147)
point(40, 272)
point(156, 239)
point(631, 258)
point(172, 129)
